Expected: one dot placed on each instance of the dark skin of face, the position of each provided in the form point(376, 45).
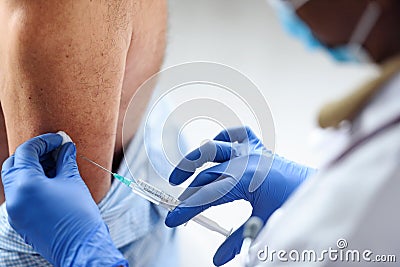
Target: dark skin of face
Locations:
point(334, 22)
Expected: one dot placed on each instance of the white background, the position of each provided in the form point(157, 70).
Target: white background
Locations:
point(247, 36)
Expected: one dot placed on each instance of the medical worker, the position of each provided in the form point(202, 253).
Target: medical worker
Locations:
point(351, 199)
point(351, 203)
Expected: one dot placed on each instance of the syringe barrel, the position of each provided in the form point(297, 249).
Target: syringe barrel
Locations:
point(169, 202)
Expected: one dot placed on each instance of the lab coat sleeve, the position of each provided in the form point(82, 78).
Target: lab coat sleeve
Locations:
point(353, 201)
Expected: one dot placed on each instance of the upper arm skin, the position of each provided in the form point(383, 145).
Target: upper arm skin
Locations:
point(62, 68)
point(3, 150)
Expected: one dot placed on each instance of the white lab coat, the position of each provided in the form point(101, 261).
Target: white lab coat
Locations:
point(356, 199)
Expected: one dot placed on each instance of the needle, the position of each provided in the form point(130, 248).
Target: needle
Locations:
point(98, 165)
point(122, 179)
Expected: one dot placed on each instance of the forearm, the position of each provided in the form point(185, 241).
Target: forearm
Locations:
point(64, 69)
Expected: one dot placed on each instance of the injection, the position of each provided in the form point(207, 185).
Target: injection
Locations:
point(160, 198)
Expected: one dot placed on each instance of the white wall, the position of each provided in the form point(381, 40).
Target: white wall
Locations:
point(247, 36)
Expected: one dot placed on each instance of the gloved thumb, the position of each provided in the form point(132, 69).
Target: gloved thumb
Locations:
point(66, 160)
point(230, 248)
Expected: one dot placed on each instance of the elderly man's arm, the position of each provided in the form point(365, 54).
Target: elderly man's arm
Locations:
point(62, 68)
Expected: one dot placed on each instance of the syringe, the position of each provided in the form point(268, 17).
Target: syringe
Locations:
point(160, 198)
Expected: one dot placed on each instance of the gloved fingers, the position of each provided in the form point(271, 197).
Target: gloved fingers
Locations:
point(7, 165)
point(233, 244)
point(203, 178)
point(236, 134)
point(262, 166)
point(230, 248)
point(211, 151)
point(29, 153)
point(48, 164)
point(264, 209)
point(214, 194)
point(181, 215)
point(66, 160)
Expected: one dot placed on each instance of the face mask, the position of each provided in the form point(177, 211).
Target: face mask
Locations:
point(350, 52)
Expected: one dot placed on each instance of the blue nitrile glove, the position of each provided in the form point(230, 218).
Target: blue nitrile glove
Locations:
point(246, 171)
point(57, 215)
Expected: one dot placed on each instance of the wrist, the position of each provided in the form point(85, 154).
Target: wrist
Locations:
point(97, 250)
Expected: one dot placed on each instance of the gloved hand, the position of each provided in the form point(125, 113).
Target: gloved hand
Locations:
point(246, 171)
point(56, 215)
